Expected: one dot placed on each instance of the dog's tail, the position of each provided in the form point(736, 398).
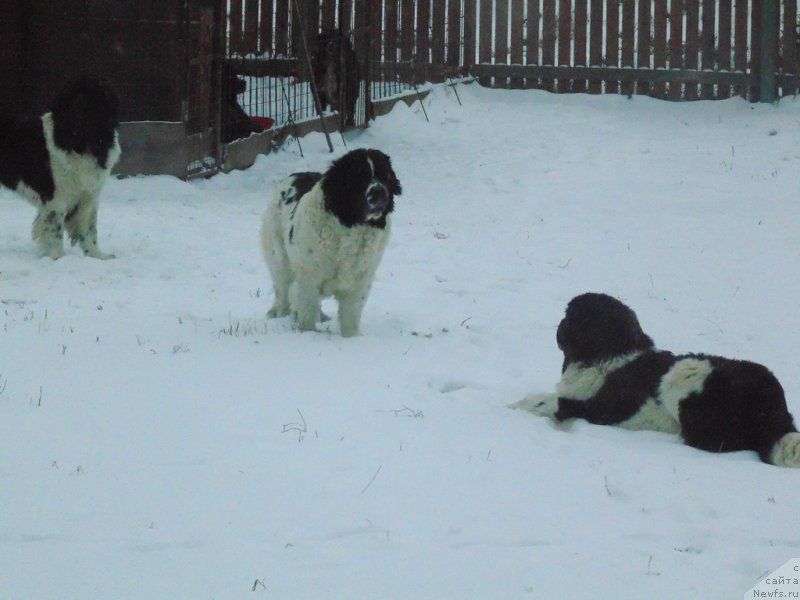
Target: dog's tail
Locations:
point(786, 451)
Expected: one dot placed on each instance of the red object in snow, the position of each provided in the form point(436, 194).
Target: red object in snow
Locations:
point(265, 122)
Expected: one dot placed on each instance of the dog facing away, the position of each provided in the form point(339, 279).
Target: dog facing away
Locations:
point(613, 375)
point(59, 162)
point(324, 235)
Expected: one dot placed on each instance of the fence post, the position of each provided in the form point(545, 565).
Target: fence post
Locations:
point(769, 40)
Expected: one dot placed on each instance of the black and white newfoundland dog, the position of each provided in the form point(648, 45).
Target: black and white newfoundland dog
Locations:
point(614, 375)
point(59, 162)
point(324, 235)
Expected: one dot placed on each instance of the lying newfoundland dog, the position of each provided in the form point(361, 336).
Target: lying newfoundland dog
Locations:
point(324, 235)
point(59, 162)
point(613, 375)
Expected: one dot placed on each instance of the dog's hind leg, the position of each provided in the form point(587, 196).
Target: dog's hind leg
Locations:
point(48, 231)
point(278, 264)
point(81, 225)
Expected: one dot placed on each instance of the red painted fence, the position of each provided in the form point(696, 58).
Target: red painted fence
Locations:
point(676, 49)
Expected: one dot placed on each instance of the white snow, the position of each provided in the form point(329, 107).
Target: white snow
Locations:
point(160, 439)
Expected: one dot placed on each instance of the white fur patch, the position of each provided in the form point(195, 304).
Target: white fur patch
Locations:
point(786, 452)
point(581, 383)
point(544, 405)
point(686, 377)
point(652, 416)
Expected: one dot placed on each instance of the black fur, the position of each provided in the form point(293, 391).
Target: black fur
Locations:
point(347, 182)
point(236, 123)
point(337, 73)
point(303, 182)
point(597, 328)
point(24, 157)
point(741, 405)
point(86, 117)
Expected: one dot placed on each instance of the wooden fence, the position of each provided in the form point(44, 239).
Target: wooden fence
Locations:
point(675, 49)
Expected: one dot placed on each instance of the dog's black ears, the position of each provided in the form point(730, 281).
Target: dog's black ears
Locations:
point(394, 184)
point(384, 171)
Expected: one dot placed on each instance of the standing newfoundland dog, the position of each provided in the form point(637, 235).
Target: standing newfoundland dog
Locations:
point(324, 235)
point(613, 375)
point(60, 161)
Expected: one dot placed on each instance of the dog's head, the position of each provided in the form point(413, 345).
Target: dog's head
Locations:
point(360, 187)
point(597, 327)
point(232, 83)
point(85, 117)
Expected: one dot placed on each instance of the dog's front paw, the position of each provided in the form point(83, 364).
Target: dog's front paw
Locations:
point(277, 311)
point(54, 253)
point(539, 404)
point(99, 255)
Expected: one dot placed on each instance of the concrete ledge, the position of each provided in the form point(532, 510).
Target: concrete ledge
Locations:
point(166, 148)
point(153, 148)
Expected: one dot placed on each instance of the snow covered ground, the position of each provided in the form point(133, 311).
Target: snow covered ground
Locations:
point(160, 439)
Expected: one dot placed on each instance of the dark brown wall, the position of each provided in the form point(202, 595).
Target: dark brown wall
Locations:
point(140, 46)
point(11, 64)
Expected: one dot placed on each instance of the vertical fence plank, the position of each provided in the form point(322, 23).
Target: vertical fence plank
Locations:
point(250, 38)
point(789, 46)
point(453, 34)
point(265, 28)
point(643, 47)
point(755, 51)
point(692, 42)
point(532, 39)
point(407, 30)
point(548, 39)
point(485, 37)
point(660, 16)
point(424, 31)
point(437, 34)
point(708, 52)
point(375, 29)
point(235, 16)
point(740, 42)
point(517, 29)
point(612, 41)
point(390, 31)
point(628, 41)
point(281, 27)
point(501, 39)
point(724, 45)
point(314, 17)
point(579, 56)
point(676, 45)
point(564, 40)
point(628, 32)
point(596, 42)
point(328, 15)
point(470, 34)
point(770, 22)
point(345, 14)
